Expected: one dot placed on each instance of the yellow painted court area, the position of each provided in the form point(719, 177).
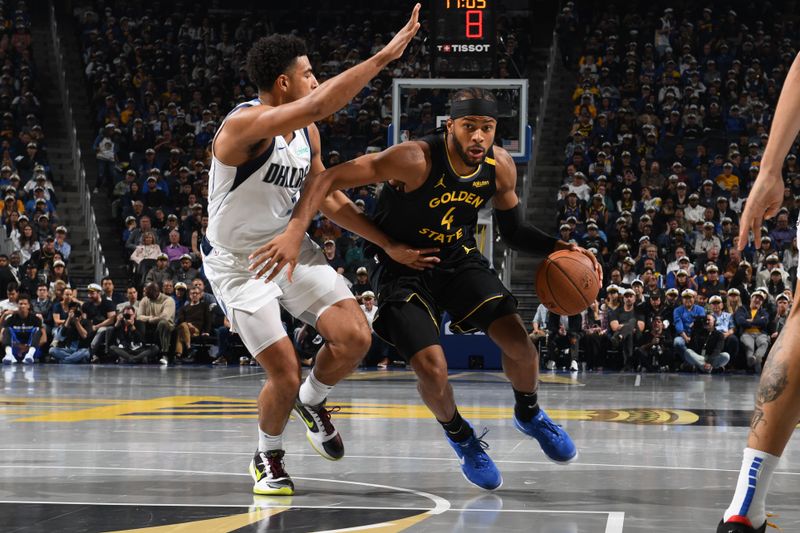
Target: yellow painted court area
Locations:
point(220, 407)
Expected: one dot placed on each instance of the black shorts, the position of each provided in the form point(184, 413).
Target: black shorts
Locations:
point(411, 303)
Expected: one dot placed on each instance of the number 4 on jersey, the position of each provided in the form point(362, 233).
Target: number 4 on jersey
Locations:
point(447, 219)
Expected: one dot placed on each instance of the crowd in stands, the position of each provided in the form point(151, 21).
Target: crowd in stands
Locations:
point(672, 111)
point(34, 247)
point(160, 84)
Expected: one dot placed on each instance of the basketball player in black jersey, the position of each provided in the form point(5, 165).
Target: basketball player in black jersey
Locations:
point(435, 188)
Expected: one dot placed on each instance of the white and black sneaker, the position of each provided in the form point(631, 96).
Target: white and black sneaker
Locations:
point(269, 475)
point(324, 438)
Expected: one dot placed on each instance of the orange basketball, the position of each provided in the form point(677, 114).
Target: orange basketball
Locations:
point(567, 282)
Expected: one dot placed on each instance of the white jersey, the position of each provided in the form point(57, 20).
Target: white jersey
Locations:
point(252, 203)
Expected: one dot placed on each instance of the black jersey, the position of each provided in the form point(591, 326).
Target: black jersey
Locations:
point(443, 212)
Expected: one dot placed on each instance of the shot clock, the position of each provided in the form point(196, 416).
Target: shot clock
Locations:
point(464, 37)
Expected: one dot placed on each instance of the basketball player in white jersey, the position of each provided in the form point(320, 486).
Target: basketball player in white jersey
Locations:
point(261, 154)
point(777, 407)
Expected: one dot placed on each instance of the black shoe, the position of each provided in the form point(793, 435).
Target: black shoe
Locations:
point(739, 524)
point(324, 438)
point(269, 475)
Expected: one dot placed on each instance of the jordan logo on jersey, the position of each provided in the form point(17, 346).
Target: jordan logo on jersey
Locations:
point(285, 176)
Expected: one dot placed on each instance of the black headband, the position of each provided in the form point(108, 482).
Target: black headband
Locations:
point(474, 107)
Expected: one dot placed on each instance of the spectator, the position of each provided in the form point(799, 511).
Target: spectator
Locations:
point(704, 350)
point(783, 306)
point(329, 249)
point(100, 311)
point(42, 306)
point(198, 234)
point(683, 318)
point(193, 320)
point(654, 307)
point(753, 324)
point(61, 245)
point(362, 283)
point(127, 344)
point(109, 292)
point(594, 337)
point(181, 295)
point(563, 336)
point(707, 240)
point(711, 285)
point(9, 305)
point(378, 351)
point(60, 312)
point(175, 250)
point(654, 347)
point(625, 326)
point(146, 254)
point(135, 237)
point(32, 279)
point(106, 150)
point(539, 324)
point(26, 243)
point(75, 336)
point(160, 272)
point(157, 313)
point(131, 300)
point(23, 334)
point(772, 262)
point(186, 272)
point(58, 274)
point(724, 322)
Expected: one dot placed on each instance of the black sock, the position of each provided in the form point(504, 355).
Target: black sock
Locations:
point(527, 405)
point(457, 429)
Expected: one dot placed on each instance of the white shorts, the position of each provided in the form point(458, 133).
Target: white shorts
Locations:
point(251, 305)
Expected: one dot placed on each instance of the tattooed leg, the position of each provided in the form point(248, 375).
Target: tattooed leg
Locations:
point(777, 405)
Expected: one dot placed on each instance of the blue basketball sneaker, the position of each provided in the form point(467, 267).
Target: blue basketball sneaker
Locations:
point(476, 465)
point(555, 442)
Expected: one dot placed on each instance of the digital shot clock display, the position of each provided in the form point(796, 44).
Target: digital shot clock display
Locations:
point(464, 37)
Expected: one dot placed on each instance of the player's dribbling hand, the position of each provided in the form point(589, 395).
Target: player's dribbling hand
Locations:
point(764, 201)
point(412, 258)
point(279, 252)
point(571, 246)
point(396, 47)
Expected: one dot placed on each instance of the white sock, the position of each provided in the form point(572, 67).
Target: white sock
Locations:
point(752, 487)
point(9, 352)
point(312, 391)
point(31, 353)
point(268, 442)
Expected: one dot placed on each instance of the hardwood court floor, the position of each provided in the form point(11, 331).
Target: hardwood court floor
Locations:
point(166, 449)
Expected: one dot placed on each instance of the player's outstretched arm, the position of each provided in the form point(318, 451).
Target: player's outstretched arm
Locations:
point(256, 123)
point(766, 197)
point(404, 162)
point(515, 232)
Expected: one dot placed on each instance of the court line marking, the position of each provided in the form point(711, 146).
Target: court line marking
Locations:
point(254, 373)
point(615, 522)
point(290, 506)
point(385, 457)
point(440, 504)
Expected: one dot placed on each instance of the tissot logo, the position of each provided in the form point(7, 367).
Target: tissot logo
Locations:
point(448, 48)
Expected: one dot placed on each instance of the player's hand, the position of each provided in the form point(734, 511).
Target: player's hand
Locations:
point(572, 247)
point(396, 47)
point(282, 251)
point(411, 257)
point(764, 201)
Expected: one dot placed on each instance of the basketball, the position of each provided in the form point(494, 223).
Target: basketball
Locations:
point(567, 282)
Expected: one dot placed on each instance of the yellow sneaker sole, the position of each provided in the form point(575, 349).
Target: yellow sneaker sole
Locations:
point(282, 491)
